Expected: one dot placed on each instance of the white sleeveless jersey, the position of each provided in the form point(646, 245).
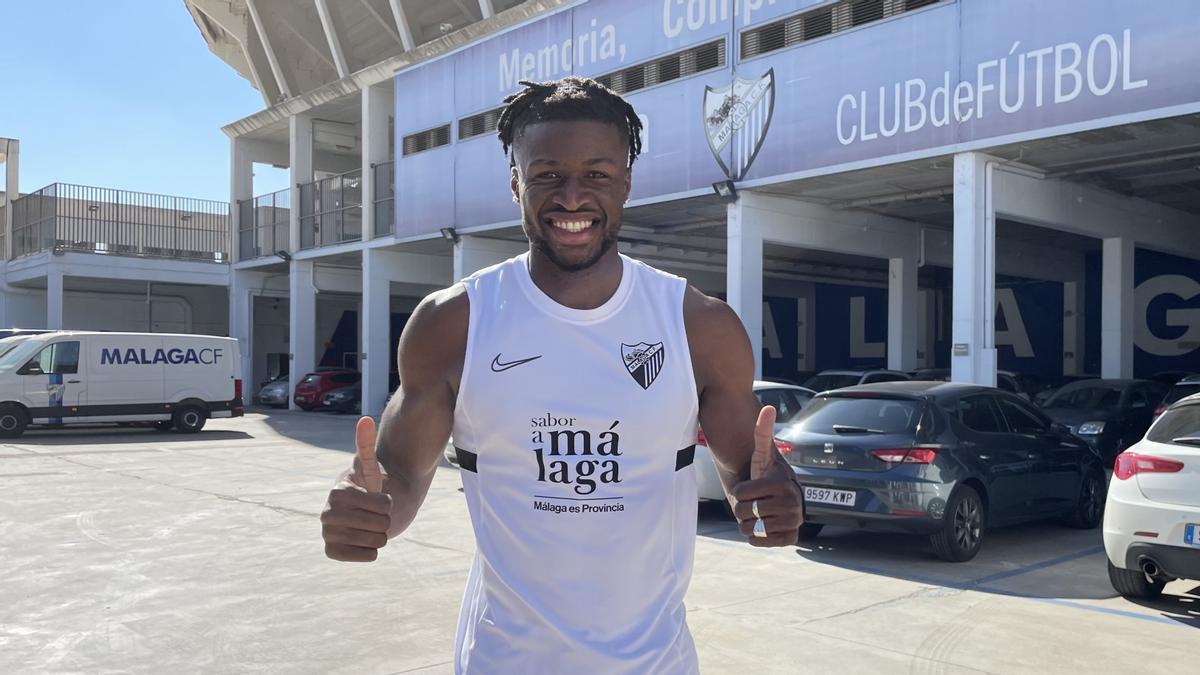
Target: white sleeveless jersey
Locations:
point(575, 431)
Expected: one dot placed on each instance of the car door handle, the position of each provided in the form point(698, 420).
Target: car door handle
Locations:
point(73, 381)
point(985, 457)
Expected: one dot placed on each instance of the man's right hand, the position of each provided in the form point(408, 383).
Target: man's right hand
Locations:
point(357, 516)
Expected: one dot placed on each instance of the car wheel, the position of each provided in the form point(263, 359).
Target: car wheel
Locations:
point(963, 527)
point(809, 531)
point(1089, 508)
point(12, 421)
point(189, 419)
point(1134, 584)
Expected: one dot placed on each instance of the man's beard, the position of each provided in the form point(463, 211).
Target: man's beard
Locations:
point(542, 246)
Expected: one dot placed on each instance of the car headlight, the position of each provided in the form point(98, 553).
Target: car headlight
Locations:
point(1091, 428)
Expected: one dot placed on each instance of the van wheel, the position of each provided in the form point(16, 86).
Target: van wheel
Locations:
point(963, 527)
point(189, 419)
point(12, 421)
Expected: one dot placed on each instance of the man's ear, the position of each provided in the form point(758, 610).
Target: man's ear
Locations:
point(628, 182)
point(514, 184)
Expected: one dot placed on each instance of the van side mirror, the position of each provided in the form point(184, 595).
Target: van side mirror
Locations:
point(31, 368)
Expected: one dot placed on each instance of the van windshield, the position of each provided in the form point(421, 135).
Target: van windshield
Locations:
point(8, 344)
point(18, 355)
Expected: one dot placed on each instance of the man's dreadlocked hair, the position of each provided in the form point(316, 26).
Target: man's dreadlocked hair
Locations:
point(569, 99)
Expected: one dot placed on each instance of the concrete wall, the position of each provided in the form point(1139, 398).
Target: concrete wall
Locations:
point(187, 309)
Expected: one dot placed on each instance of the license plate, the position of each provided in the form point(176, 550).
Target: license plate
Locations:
point(1191, 534)
point(819, 495)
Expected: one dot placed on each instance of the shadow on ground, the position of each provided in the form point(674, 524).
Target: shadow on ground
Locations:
point(1036, 560)
point(1183, 608)
point(328, 430)
point(109, 435)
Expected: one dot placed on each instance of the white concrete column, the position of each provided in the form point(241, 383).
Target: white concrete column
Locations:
point(300, 167)
point(302, 321)
point(1073, 327)
point(903, 314)
point(1116, 309)
point(926, 329)
point(12, 190)
point(973, 350)
point(744, 274)
point(376, 106)
point(376, 330)
point(54, 298)
point(241, 187)
point(473, 253)
point(241, 325)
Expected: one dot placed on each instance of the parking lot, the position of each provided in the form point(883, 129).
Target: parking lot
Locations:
point(132, 550)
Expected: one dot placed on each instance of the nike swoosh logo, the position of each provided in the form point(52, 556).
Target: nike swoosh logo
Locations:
point(498, 367)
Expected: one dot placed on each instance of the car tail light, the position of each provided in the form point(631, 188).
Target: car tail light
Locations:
point(1130, 464)
point(237, 390)
point(1160, 410)
point(700, 439)
point(905, 455)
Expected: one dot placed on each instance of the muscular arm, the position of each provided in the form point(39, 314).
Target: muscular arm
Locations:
point(418, 420)
point(723, 361)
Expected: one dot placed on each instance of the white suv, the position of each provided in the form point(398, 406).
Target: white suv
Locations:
point(1152, 518)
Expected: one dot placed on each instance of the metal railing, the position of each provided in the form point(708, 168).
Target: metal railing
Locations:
point(385, 198)
point(263, 224)
point(331, 210)
point(67, 217)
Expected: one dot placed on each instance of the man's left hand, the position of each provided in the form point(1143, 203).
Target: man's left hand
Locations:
point(772, 487)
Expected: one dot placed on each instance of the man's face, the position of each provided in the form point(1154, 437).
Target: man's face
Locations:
point(571, 181)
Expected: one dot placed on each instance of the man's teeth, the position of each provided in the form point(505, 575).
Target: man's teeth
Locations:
point(573, 225)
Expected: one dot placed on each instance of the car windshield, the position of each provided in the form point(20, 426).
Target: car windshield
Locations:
point(827, 381)
point(1086, 397)
point(1180, 426)
point(849, 415)
point(22, 352)
point(1181, 390)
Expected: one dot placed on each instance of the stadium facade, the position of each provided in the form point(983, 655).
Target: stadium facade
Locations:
point(969, 184)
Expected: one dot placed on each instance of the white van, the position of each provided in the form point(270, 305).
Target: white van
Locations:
point(84, 377)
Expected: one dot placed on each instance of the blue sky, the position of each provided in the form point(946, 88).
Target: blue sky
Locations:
point(121, 94)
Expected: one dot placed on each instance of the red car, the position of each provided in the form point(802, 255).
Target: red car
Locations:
point(313, 386)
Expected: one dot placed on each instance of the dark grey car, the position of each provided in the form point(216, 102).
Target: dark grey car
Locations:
point(940, 459)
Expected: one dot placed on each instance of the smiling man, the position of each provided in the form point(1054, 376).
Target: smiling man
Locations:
point(572, 379)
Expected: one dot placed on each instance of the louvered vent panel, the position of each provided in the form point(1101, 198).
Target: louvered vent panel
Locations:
point(672, 67)
point(821, 22)
point(478, 124)
point(426, 140)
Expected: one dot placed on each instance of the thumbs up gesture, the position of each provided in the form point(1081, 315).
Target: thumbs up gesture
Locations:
point(357, 515)
point(769, 507)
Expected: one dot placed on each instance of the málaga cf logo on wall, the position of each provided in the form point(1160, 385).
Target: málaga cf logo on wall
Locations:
point(738, 117)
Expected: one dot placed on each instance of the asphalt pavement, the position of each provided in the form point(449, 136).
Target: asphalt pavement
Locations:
point(134, 550)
